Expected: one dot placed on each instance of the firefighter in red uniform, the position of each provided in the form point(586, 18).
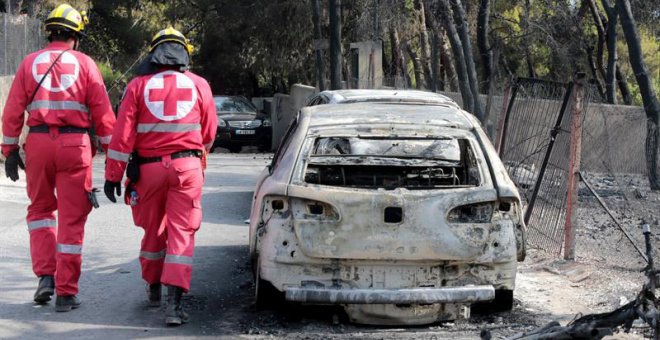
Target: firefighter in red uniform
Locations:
point(166, 124)
point(62, 92)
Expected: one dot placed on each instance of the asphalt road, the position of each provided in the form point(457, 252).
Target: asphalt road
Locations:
point(111, 289)
point(220, 301)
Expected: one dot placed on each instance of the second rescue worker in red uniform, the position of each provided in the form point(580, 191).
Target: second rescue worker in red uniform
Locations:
point(62, 92)
point(167, 120)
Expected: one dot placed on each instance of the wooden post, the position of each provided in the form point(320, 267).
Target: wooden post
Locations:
point(575, 156)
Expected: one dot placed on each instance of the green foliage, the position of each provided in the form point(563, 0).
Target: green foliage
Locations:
point(261, 46)
point(113, 80)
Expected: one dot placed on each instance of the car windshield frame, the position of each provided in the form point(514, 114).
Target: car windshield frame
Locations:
point(234, 105)
point(471, 156)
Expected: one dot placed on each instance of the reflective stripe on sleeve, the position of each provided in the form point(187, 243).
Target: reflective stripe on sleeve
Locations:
point(105, 139)
point(57, 105)
point(179, 259)
point(162, 127)
point(153, 255)
point(38, 224)
point(118, 156)
point(9, 140)
point(69, 248)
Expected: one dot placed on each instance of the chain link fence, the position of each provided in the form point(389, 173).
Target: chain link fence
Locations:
point(19, 36)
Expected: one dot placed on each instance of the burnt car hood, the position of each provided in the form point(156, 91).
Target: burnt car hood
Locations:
point(232, 116)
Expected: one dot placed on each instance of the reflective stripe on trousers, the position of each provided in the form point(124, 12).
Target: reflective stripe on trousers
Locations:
point(69, 248)
point(148, 255)
point(179, 259)
point(57, 105)
point(38, 224)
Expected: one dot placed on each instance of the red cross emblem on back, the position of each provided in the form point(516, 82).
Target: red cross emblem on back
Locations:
point(170, 95)
point(62, 76)
point(59, 70)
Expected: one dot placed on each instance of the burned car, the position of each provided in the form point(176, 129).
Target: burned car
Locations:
point(400, 213)
point(378, 96)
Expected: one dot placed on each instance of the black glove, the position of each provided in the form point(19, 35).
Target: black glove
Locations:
point(109, 189)
point(11, 165)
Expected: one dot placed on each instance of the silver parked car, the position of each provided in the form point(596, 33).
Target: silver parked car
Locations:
point(402, 213)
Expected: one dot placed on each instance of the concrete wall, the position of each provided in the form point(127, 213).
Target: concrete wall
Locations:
point(285, 107)
point(281, 115)
point(369, 64)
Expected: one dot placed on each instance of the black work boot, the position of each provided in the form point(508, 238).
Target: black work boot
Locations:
point(154, 294)
point(174, 314)
point(66, 303)
point(45, 289)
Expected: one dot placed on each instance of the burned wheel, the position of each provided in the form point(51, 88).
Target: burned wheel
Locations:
point(266, 296)
point(503, 302)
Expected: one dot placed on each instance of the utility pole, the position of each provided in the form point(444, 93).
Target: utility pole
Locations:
point(335, 44)
point(316, 17)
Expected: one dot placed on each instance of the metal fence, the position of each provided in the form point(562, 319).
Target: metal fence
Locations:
point(19, 36)
point(614, 198)
point(534, 147)
point(615, 167)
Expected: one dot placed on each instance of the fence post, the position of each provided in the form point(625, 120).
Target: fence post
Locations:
point(509, 99)
point(575, 157)
point(501, 116)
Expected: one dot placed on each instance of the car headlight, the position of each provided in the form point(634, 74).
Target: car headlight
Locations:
point(267, 122)
point(222, 123)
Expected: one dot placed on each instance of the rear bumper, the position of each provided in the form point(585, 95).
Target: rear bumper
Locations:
point(467, 294)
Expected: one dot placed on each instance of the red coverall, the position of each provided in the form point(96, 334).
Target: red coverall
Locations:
point(72, 95)
point(162, 114)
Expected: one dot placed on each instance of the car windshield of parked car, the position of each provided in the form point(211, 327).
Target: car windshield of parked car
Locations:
point(393, 163)
point(234, 105)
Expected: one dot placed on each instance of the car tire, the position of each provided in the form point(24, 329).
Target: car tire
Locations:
point(262, 148)
point(266, 296)
point(503, 302)
point(235, 148)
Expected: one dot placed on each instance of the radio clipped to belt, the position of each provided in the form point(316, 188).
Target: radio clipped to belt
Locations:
point(132, 176)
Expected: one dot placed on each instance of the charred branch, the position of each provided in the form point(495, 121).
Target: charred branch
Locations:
point(464, 33)
point(484, 45)
point(457, 48)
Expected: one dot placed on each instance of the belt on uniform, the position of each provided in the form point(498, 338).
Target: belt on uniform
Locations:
point(180, 154)
point(43, 128)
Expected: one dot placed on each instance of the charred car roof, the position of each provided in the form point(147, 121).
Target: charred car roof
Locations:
point(387, 113)
point(386, 96)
